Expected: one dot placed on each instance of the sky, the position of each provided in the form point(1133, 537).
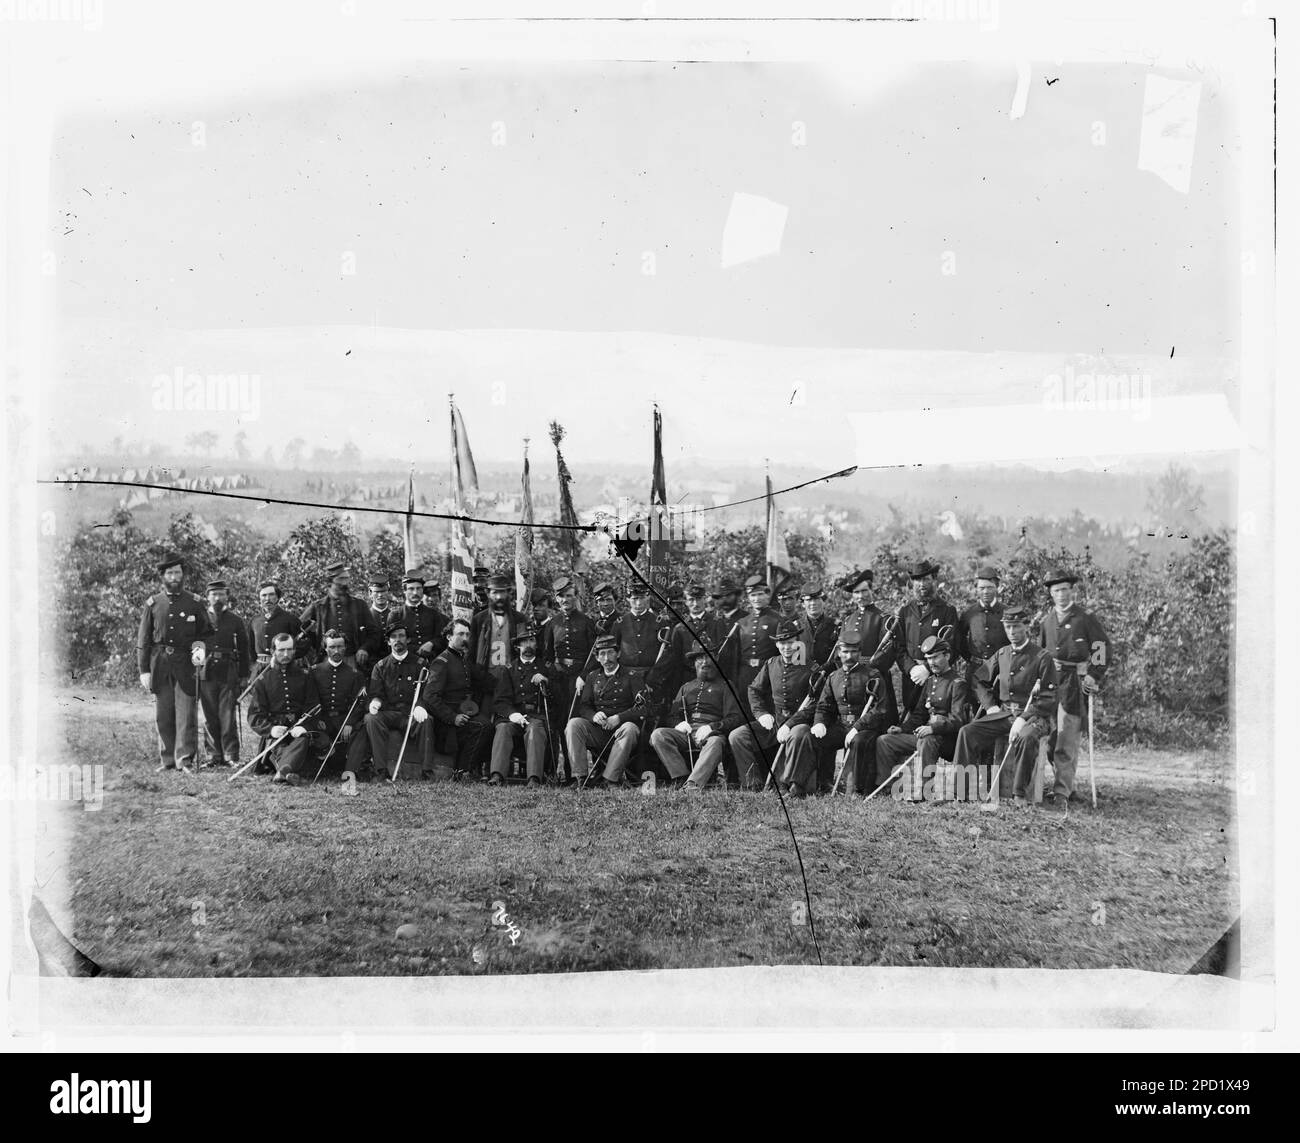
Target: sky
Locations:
point(366, 245)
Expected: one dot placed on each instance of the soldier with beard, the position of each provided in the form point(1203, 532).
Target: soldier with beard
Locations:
point(925, 615)
point(339, 610)
point(775, 696)
point(223, 677)
point(458, 695)
point(724, 631)
point(692, 749)
point(493, 631)
point(341, 689)
point(424, 626)
point(274, 620)
point(842, 719)
point(283, 693)
point(520, 713)
point(979, 629)
point(392, 690)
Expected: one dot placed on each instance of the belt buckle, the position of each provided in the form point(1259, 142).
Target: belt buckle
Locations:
point(755, 662)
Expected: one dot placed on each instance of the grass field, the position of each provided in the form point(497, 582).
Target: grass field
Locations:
point(180, 875)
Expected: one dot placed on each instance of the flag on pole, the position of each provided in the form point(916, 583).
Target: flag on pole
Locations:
point(408, 522)
point(462, 561)
point(570, 543)
point(658, 546)
point(778, 557)
point(524, 545)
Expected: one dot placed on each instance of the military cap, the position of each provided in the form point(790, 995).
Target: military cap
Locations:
point(1015, 613)
point(540, 595)
point(638, 588)
point(856, 581)
point(602, 589)
point(379, 582)
point(1059, 575)
point(216, 585)
point(934, 645)
point(675, 591)
point(413, 575)
point(850, 637)
point(697, 648)
point(500, 583)
point(988, 572)
point(724, 587)
point(788, 629)
point(526, 632)
point(754, 581)
point(561, 584)
point(336, 567)
point(695, 591)
point(921, 569)
point(605, 643)
point(170, 560)
point(482, 573)
point(786, 588)
point(395, 585)
point(431, 586)
point(812, 591)
point(268, 583)
point(394, 622)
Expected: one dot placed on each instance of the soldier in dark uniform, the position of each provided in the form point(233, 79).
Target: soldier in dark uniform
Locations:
point(342, 690)
point(568, 650)
point(674, 672)
point(875, 647)
point(274, 620)
point(979, 628)
point(392, 691)
point(520, 713)
point(606, 719)
point(724, 630)
point(927, 614)
point(607, 613)
point(842, 718)
point(223, 677)
point(424, 626)
point(458, 695)
point(692, 749)
point(541, 609)
point(787, 599)
point(1004, 684)
point(637, 633)
point(380, 601)
point(928, 729)
point(170, 647)
point(776, 696)
point(283, 693)
point(756, 636)
point(432, 597)
point(479, 584)
point(820, 631)
point(1080, 648)
point(339, 610)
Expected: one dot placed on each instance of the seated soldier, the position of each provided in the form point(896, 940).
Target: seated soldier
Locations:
point(457, 690)
point(844, 718)
point(282, 696)
point(928, 731)
point(520, 712)
point(342, 693)
point(606, 720)
point(692, 750)
point(392, 709)
point(778, 697)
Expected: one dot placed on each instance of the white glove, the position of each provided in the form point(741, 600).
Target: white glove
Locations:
point(375, 704)
point(518, 719)
point(919, 674)
point(684, 727)
point(1090, 685)
point(199, 655)
point(297, 731)
point(1017, 729)
point(819, 730)
point(277, 731)
point(600, 718)
point(146, 679)
point(852, 734)
point(766, 721)
point(419, 714)
point(782, 733)
point(539, 679)
point(611, 721)
point(426, 648)
point(703, 732)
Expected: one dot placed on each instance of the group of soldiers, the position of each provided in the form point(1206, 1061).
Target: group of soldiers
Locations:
point(725, 685)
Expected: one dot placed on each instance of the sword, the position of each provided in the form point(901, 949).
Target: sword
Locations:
point(275, 742)
point(410, 719)
point(333, 744)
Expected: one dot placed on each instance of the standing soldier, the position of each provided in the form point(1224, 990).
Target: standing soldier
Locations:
point(776, 695)
point(756, 635)
point(842, 718)
point(223, 677)
point(541, 610)
point(170, 647)
point(674, 671)
point(482, 576)
point(519, 712)
point(493, 631)
point(424, 626)
point(637, 634)
point(380, 602)
point(341, 689)
point(724, 631)
point(274, 620)
point(1004, 685)
point(820, 633)
point(708, 714)
point(979, 629)
point(458, 695)
point(606, 719)
point(567, 643)
point(1080, 648)
point(787, 599)
point(339, 610)
point(606, 608)
point(874, 647)
point(929, 729)
point(283, 693)
point(927, 614)
point(392, 693)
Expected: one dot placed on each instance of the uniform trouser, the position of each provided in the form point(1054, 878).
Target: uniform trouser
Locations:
point(1066, 756)
point(893, 749)
point(676, 751)
point(859, 758)
point(176, 715)
point(385, 731)
point(468, 745)
point(750, 754)
point(800, 765)
point(976, 737)
point(581, 735)
point(293, 755)
point(220, 729)
point(356, 749)
point(508, 733)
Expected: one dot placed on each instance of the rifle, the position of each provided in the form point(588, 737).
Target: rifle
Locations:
point(275, 742)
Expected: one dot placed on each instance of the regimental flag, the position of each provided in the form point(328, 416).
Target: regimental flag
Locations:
point(658, 557)
point(570, 542)
point(462, 560)
point(524, 546)
point(408, 521)
point(778, 557)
